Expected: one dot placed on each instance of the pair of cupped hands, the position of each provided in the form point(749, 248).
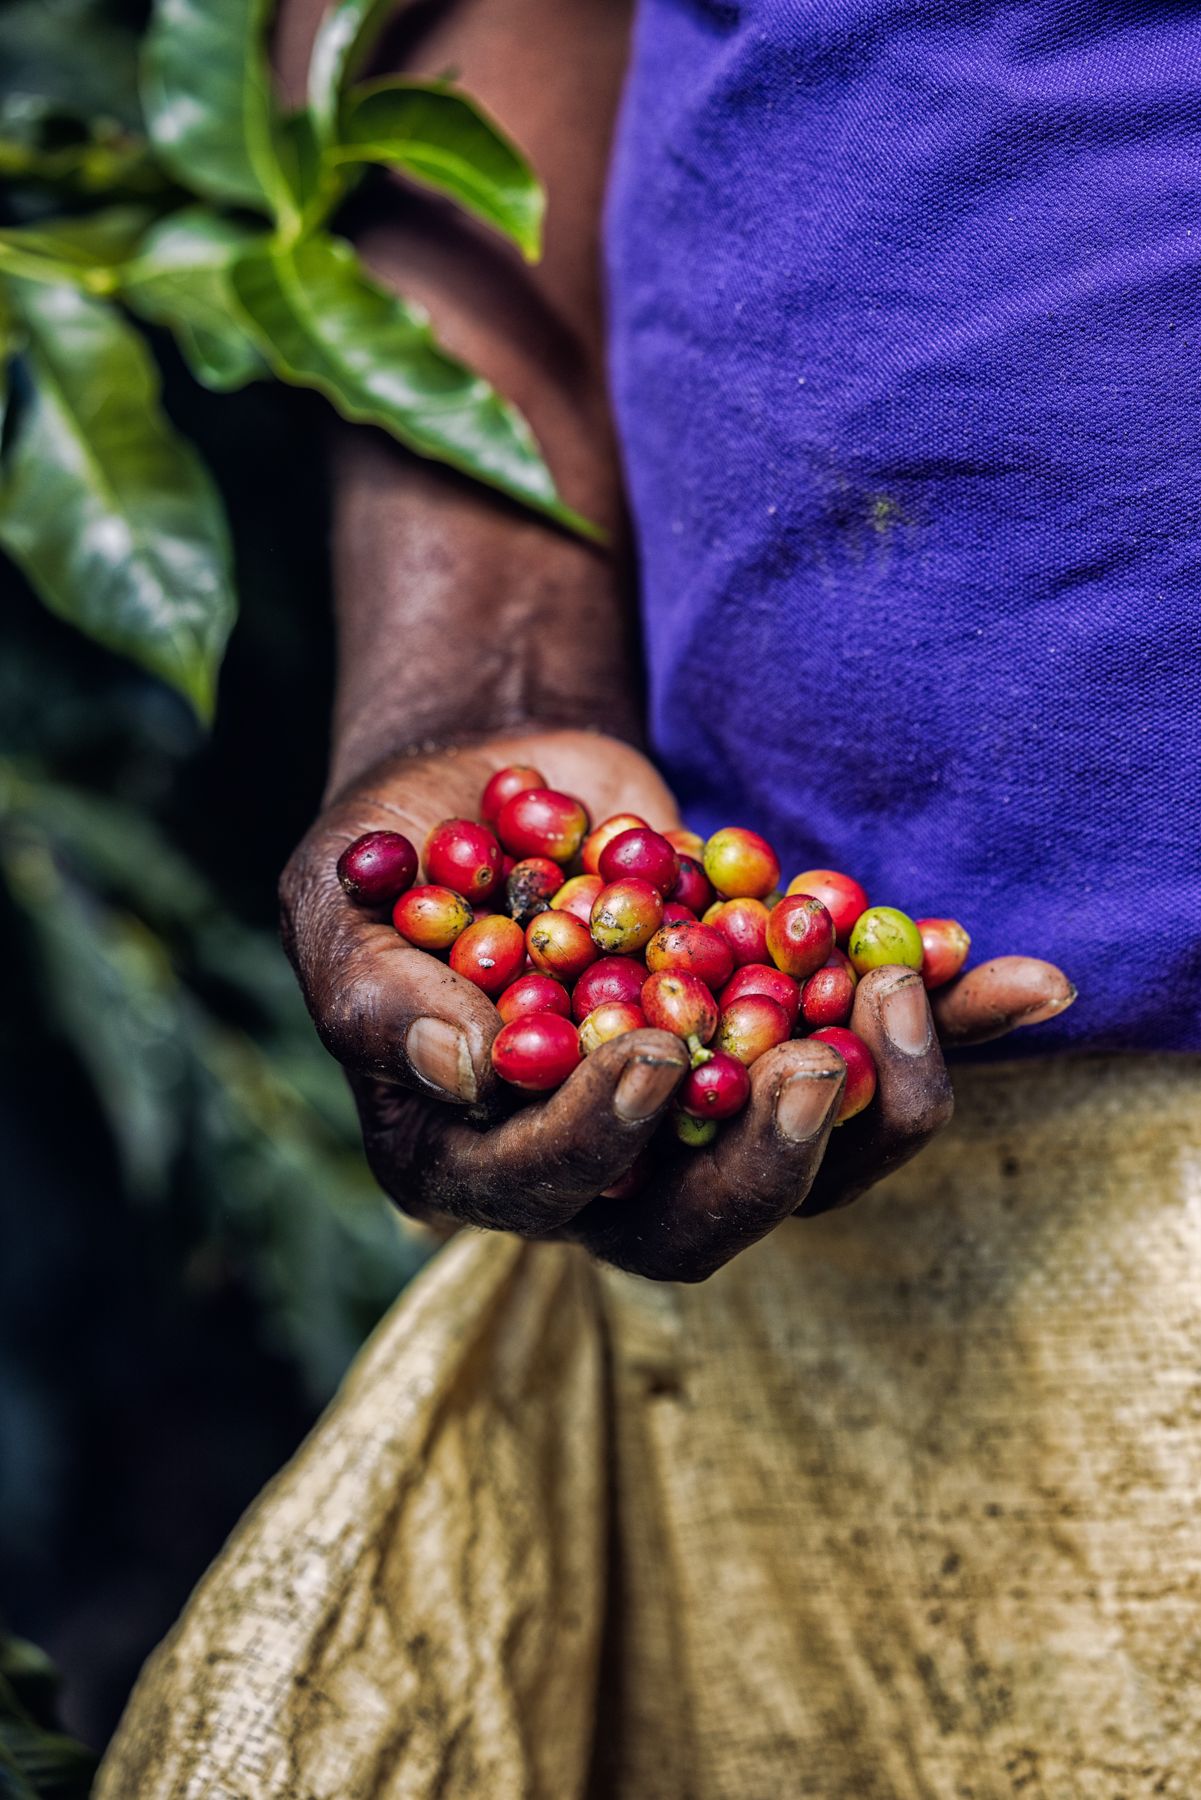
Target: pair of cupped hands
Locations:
point(446, 1139)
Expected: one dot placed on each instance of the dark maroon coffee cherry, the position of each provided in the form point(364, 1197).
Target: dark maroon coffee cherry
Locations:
point(377, 868)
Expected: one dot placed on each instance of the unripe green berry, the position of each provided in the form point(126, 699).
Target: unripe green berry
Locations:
point(882, 937)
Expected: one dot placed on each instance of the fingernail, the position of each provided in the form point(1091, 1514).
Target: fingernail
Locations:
point(1048, 1009)
point(906, 1015)
point(643, 1088)
point(803, 1104)
point(440, 1055)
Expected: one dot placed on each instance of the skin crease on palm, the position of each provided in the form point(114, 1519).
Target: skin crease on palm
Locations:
point(451, 1141)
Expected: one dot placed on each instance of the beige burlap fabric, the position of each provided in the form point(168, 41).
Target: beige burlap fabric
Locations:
point(903, 1505)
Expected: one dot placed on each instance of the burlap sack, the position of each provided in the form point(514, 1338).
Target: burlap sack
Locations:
point(902, 1505)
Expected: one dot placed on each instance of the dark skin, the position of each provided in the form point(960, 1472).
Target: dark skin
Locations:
point(470, 637)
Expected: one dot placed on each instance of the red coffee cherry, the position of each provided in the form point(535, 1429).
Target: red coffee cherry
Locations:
point(681, 1003)
point(535, 993)
point(603, 834)
point(743, 924)
point(643, 854)
point(578, 896)
point(625, 916)
point(377, 867)
point(503, 785)
point(610, 1020)
point(431, 917)
point(750, 1026)
point(828, 996)
point(531, 886)
point(693, 947)
point(610, 978)
point(560, 944)
point(674, 914)
point(945, 945)
point(462, 855)
point(717, 1089)
point(800, 935)
point(537, 1052)
point(861, 1069)
point(490, 953)
point(692, 888)
point(764, 978)
point(740, 862)
point(842, 897)
point(542, 822)
point(685, 842)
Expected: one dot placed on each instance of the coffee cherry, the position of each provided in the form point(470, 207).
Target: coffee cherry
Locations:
point(842, 898)
point(750, 1026)
point(800, 935)
point(764, 978)
point(534, 993)
point(717, 1089)
point(695, 1133)
point(611, 1020)
point(692, 887)
point(531, 886)
point(625, 916)
point(685, 842)
point(537, 1052)
point(377, 867)
point(462, 855)
point(680, 1003)
point(861, 1069)
point(542, 822)
point(578, 896)
point(740, 862)
point(828, 996)
point(840, 960)
point(643, 854)
point(612, 978)
point(560, 944)
point(431, 917)
point(945, 945)
point(883, 936)
point(503, 785)
point(743, 924)
point(491, 953)
point(675, 914)
point(601, 835)
point(694, 948)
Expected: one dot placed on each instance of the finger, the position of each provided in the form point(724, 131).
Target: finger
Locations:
point(703, 1207)
point(383, 1008)
point(913, 1097)
point(535, 1171)
point(999, 996)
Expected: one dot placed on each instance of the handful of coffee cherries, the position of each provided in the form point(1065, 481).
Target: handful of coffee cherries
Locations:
point(581, 933)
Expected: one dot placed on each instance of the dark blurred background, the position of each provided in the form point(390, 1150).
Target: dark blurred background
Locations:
point(190, 1248)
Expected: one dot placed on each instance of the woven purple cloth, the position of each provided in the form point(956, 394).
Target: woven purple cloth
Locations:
point(906, 352)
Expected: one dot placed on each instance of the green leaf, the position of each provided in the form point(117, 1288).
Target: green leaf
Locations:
point(69, 54)
point(322, 323)
point(111, 515)
point(181, 279)
point(206, 92)
point(440, 137)
point(108, 161)
point(344, 39)
point(90, 246)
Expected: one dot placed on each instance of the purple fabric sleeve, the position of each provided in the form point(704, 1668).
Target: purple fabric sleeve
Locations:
point(906, 352)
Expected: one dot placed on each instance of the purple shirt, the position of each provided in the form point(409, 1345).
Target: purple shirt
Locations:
point(906, 353)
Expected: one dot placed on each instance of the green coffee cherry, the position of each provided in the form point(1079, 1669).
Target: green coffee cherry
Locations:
point(882, 937)
point(696, 1133)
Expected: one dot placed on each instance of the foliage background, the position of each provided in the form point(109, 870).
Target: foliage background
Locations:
point(190, 1247)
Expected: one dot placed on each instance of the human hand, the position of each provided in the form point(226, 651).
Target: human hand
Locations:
point(445, 1137)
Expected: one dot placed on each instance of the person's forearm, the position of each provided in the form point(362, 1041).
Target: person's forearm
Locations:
point(457, 614)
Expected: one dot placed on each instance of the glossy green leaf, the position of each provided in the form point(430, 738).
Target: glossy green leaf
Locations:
point(112, 516)
point(181, 279)
point(441, 138)
point(323, 323)
point(206, 92)
point(344, 39)
point(89, 246)
point(70, 54)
